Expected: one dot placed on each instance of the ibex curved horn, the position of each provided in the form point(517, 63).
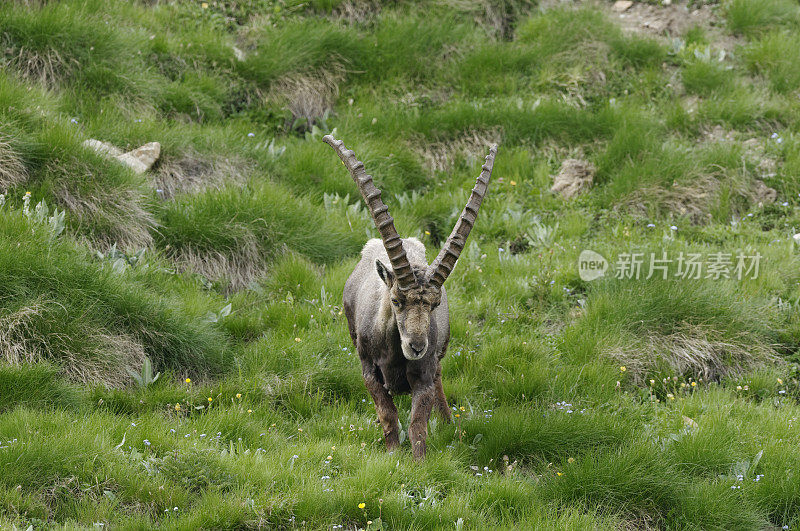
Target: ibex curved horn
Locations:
point(380, 213)
point(440, 268)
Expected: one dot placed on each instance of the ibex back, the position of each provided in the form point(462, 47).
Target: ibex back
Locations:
point(396, 309)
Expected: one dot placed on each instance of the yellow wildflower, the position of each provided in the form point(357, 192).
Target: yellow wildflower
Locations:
point(362, 505)
point(210, 399)
point(623, 369)
point(571, 460)
point(513, 183)
point(238, 395)
point(188, 380)
point(670, 396)
point(204, 5)
point(330, 457)
point(462, 408)
point(177, 407)
point(559, 474)
point(694, 384)
point(297, 339)
point(249, 410)
point(780, 381)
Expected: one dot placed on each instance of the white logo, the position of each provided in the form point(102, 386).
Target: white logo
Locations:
point(591, 265)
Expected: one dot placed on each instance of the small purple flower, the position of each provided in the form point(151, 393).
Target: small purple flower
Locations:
point(674, 227)
point(251, 135)
point(651, 225)
point(73, 120)
point(146, 442)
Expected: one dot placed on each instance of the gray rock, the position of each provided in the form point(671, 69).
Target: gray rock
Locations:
point(139, 160)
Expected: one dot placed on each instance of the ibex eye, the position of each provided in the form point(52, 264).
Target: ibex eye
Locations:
point(395, 302)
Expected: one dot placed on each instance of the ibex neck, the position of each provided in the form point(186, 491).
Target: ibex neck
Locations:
point(384, 320)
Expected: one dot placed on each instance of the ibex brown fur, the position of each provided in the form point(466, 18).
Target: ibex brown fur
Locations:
point(398, 316)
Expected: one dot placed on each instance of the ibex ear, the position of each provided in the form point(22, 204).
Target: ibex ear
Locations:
point(386, 275)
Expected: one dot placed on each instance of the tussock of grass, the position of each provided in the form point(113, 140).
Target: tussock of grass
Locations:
point(693, 329)
point(297, 46)
point(12, 170)
point(56, 43)
point(36, 385)
point(442, 156)
point(308, 98)
point(748, 17)
point(22, 342)
point(192, 172)
point(775, 56)
point(86, 320)
point(232, 235)
point(711, 182)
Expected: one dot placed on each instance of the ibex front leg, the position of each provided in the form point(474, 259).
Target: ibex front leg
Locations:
point(384, 405)
point(422, 399)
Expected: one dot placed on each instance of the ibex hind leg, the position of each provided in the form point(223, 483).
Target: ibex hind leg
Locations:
point(440, 402)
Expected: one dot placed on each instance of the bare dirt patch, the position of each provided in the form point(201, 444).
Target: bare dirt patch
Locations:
point(661, 20)
point(671, 20)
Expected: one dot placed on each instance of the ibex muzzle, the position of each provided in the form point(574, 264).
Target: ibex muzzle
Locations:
point(396, 308)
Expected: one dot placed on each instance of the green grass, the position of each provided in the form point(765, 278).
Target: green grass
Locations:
point(750, 17)
point(605, 404)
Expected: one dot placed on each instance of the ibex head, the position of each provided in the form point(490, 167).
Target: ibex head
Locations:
point(414, 292)
point(412, 309)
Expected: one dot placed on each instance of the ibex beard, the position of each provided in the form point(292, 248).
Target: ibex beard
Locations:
point(396, 309)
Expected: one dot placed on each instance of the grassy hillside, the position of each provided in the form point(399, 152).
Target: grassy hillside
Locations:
point(613, 403)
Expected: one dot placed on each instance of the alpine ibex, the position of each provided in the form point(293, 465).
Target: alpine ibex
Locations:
point(397, 316)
